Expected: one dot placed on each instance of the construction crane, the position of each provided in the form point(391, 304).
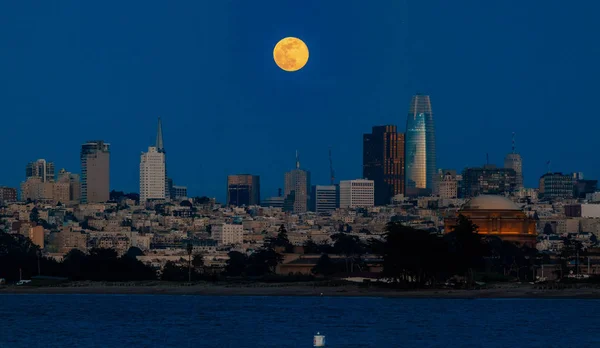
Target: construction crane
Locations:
point(331, 172)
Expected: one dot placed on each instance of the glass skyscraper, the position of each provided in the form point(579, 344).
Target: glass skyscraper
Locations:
point(419, 147)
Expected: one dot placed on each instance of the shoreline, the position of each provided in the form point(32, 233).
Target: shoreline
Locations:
point(294, 290)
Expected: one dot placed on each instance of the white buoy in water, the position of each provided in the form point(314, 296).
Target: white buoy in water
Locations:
point(319, 340)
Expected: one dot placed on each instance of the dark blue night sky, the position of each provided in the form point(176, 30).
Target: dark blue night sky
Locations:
point(82, 70)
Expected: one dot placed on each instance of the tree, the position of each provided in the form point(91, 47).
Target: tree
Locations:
point(281, 241)
point(324, 266)
point(349, 246)
point(34, 215)
point(263, 262)
point(548, 229)
point(198, 261)
point(186, 203)
point(236, 264)
point(310, 247)
point(190, 249)
point(134, 252)
point(467, 248)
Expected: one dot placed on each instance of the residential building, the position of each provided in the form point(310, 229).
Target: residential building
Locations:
point(243, 190)
point(383, 162)
point(584, 187)
point(40, 169)
point(325, 198)
point(419, 147)
point(152, 175)
point(272, 202)
point(36, 234)
point(556, 186)
point(297, 189)
point(7, 194)
point(95, 172)
point(74, 184)
point(228, 234)
point(488, 180)
point(178, 192)
point(583, 210)
point(357, 193)
point(37, 190)
point(448, 186)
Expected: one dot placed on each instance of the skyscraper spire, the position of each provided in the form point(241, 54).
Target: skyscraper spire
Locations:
point(513, 143)
point(297, 160)
point(159, 138)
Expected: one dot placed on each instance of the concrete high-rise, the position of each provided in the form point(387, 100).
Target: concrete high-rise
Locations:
point(95, 172)
point(40, 169)
point(357, 193)
point(383, 162)
point(325, 198)
point(297, 189)
point(419, 147)
point(152, 175)
point(243, 190)
point(513, 160)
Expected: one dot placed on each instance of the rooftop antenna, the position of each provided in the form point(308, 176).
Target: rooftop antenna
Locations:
point(331, 172)
point(548, 166)
point(297, 160)
point(513, 142)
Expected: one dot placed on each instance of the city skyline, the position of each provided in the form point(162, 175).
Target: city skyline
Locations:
point(76, 83)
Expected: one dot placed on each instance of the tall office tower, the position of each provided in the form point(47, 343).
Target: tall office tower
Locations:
point(40, 169)
point(357, 193)
point(488, 180)
point(160, 147)
point(419, 147)
point(95, 172)
point(297, 189)
point(152, 175)
point(513, 160)
point(383, 162)
point(243, 189)
point(325, 198)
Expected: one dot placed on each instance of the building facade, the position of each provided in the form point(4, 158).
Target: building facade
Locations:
point(497, 216)
point(419, 147)
point(228, 234)
point(7, 194)
point(95, 172)
point(243, 190)
point(325, 198)
point(152, 175)
point(297, 190)
point(514, 161)
point(383, 162)
point(357, 193)
point(74, 185)
point(556, 186)
point(488, 180)
point(40, 169)
point(178, 192)
point(447, 187)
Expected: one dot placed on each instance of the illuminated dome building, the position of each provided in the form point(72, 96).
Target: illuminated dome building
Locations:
point(497, 216)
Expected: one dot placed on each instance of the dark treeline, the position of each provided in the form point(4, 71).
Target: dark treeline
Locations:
point(19, 257)
point(411, 258)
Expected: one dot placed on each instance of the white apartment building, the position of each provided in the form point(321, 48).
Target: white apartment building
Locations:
point(357, 193)
point(226, 234)
point(152, 175)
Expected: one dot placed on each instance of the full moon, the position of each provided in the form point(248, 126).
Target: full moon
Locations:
point(290, 54)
